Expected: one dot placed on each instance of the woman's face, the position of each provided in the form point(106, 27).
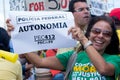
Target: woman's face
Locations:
point(100, 35)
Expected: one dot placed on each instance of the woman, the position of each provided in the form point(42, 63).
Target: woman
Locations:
point(100, 56)
point(98, 61)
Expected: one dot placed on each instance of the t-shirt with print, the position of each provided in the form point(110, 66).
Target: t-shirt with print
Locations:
point(83, 69)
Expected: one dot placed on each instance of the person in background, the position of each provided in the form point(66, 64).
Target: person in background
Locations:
point(115, 14)
point(106, 14)
point(26, 66)
point(99, 57)
point(56, 74)
point(4, 40)
point(8, 70)
point(49, 74)
point(81, 13)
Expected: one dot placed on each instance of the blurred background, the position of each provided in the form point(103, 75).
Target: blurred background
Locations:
point(97, 7)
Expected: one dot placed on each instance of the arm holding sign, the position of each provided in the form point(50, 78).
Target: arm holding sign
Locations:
point(10, 28)
point(49, 62)
point(26, 67)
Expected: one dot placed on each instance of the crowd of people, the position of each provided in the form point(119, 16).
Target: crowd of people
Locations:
point(97, 48)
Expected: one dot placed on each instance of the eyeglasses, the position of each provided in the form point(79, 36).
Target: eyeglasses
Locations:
point(104, 33)
point(81, 9)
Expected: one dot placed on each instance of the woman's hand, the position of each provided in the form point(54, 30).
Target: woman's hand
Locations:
point(77, 34)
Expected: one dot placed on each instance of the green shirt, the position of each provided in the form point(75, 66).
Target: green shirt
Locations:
point(83, 69)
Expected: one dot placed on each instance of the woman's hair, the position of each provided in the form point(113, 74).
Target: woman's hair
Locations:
point(4, 40)
point(72, 2)
point(113, 47)
point(116, 20)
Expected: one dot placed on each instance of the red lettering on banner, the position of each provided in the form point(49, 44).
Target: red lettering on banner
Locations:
point(38, 6)
point(64, 3)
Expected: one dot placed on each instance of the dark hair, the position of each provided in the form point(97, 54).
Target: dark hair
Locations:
point(4, 40)
point(116, 20)
point(113, 47)
point(72, 2)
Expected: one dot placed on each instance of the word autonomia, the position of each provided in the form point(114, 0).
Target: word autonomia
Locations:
point(42, 26)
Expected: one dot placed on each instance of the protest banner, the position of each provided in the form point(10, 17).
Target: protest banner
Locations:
point(41, 30)
point(48, 5)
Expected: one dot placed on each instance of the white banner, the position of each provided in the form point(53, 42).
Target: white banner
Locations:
point(97, 7)
point(41, 30)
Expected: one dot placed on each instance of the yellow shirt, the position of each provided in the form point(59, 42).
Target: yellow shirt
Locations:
point(10, 71)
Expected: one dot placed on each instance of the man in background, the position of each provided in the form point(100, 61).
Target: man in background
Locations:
point(81, 13)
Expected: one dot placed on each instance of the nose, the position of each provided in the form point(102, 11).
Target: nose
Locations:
point(86, 11)
point(101, 34)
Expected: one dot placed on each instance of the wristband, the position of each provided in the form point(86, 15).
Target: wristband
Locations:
point(87, 44)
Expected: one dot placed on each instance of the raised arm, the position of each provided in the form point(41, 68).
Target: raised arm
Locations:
point(97, 60)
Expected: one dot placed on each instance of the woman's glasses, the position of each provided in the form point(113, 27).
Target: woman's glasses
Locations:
point(104, 33)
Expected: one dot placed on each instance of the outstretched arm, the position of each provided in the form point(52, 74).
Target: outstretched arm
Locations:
point(48, 62)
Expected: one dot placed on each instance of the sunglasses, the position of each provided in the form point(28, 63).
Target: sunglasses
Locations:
point(104, 33)
point(82, 9)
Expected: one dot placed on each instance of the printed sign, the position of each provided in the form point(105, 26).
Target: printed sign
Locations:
point(41, 30)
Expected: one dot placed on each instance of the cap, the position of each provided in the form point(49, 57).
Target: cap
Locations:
point(115, 12)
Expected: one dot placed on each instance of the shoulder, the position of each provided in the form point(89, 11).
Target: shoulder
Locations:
point(109, 57)
point(65, 54)
point(64, 57)
point(113, 59)
point(18, 64)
